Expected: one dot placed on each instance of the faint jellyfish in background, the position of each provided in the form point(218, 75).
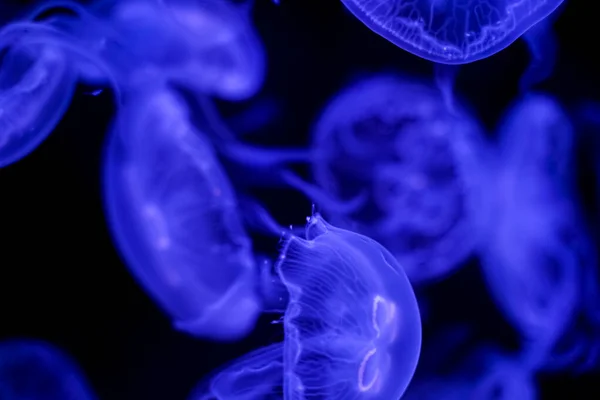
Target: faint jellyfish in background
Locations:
point(31, 369)
point(449, 32)
point(394, 139)
point(257, 375)
point(352, 327)
point(534, 246)
point(174, 217)
point(36, 87)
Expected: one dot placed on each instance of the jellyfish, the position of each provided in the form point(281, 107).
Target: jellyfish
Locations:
point(448, 32)
point(174, 217)
point(390, 142)
point(351, 327)
point(257, 375)
point(534, 248)
point(33, 369)
point(36, 87)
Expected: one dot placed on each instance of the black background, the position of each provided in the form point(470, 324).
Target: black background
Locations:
point(62, 280)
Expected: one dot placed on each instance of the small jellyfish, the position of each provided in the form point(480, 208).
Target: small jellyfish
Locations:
point(35, 370)
point(395, 139)
point(451, 32)
point(352, 327)
point(257, 375)
point(174, 217)
point(36, 87)
point(534, 246)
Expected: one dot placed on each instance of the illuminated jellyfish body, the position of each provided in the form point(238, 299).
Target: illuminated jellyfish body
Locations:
point(36, 87)
point(35, 370)
point(394, 138)
point(352, 326)
point(257, 375)
point(534, 248)
point(449, 32)
point(174, 217)
point(207, 46)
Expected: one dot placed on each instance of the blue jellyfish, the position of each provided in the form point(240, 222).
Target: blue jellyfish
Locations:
point(36, 87)
point(35, 370)
point(450, 32)
point(174, 217)
point(257, 375)
point(394, 139)
point(534, 246)
point(352, 327)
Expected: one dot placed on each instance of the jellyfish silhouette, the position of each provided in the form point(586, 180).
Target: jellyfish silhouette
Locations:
point(32, 369)
point(36, 87)
point(393, 140)
point(174, 216)
point(451, 32)
point(351, 325)
point(534, 247)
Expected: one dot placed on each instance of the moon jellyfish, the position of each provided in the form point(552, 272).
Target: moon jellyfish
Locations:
point(36, 87)
point(394, 138)
point(31, 369)
point(257, 375)
point(174, 217)
point(534, 246)
point(450, 32)
point(352, 327)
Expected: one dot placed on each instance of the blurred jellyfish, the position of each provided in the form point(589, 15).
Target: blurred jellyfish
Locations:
point(36, 87)
point(352, 326)
point(394, 139)
point(257, 375)
point(174, 217)
point(450, 32)
point(35, 370)
point(534, 247)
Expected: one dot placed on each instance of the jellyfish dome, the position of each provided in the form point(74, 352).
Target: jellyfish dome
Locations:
point(451, 32)
point(534, 247)
point(352, 327)
point(174, 217)
point(36, 87)
point(35, 370)
point(394, 139)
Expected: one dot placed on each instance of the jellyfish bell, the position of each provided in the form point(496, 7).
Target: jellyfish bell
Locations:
point(447, 32)
point(32, 369)
point(352, 326)
point(174, 217)
point(36, 87)
point(397, 140)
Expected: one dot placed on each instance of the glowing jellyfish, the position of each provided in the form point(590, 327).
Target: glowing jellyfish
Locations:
point(352, 326)
point(534, 247)
point(36, 87)
point(208, 46)
point(451, 32)
point(394, 139)
point(174, 217)
point(257, 375)
point(35, 370)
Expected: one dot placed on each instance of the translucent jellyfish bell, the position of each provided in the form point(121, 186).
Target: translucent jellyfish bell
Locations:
point(229, 56)
point(31, 369)
point(352, 325)
point(257, 375)
point(451, 32)
point(174, 217)
point(36, 87)
point(395, 138)
point(534, 246)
